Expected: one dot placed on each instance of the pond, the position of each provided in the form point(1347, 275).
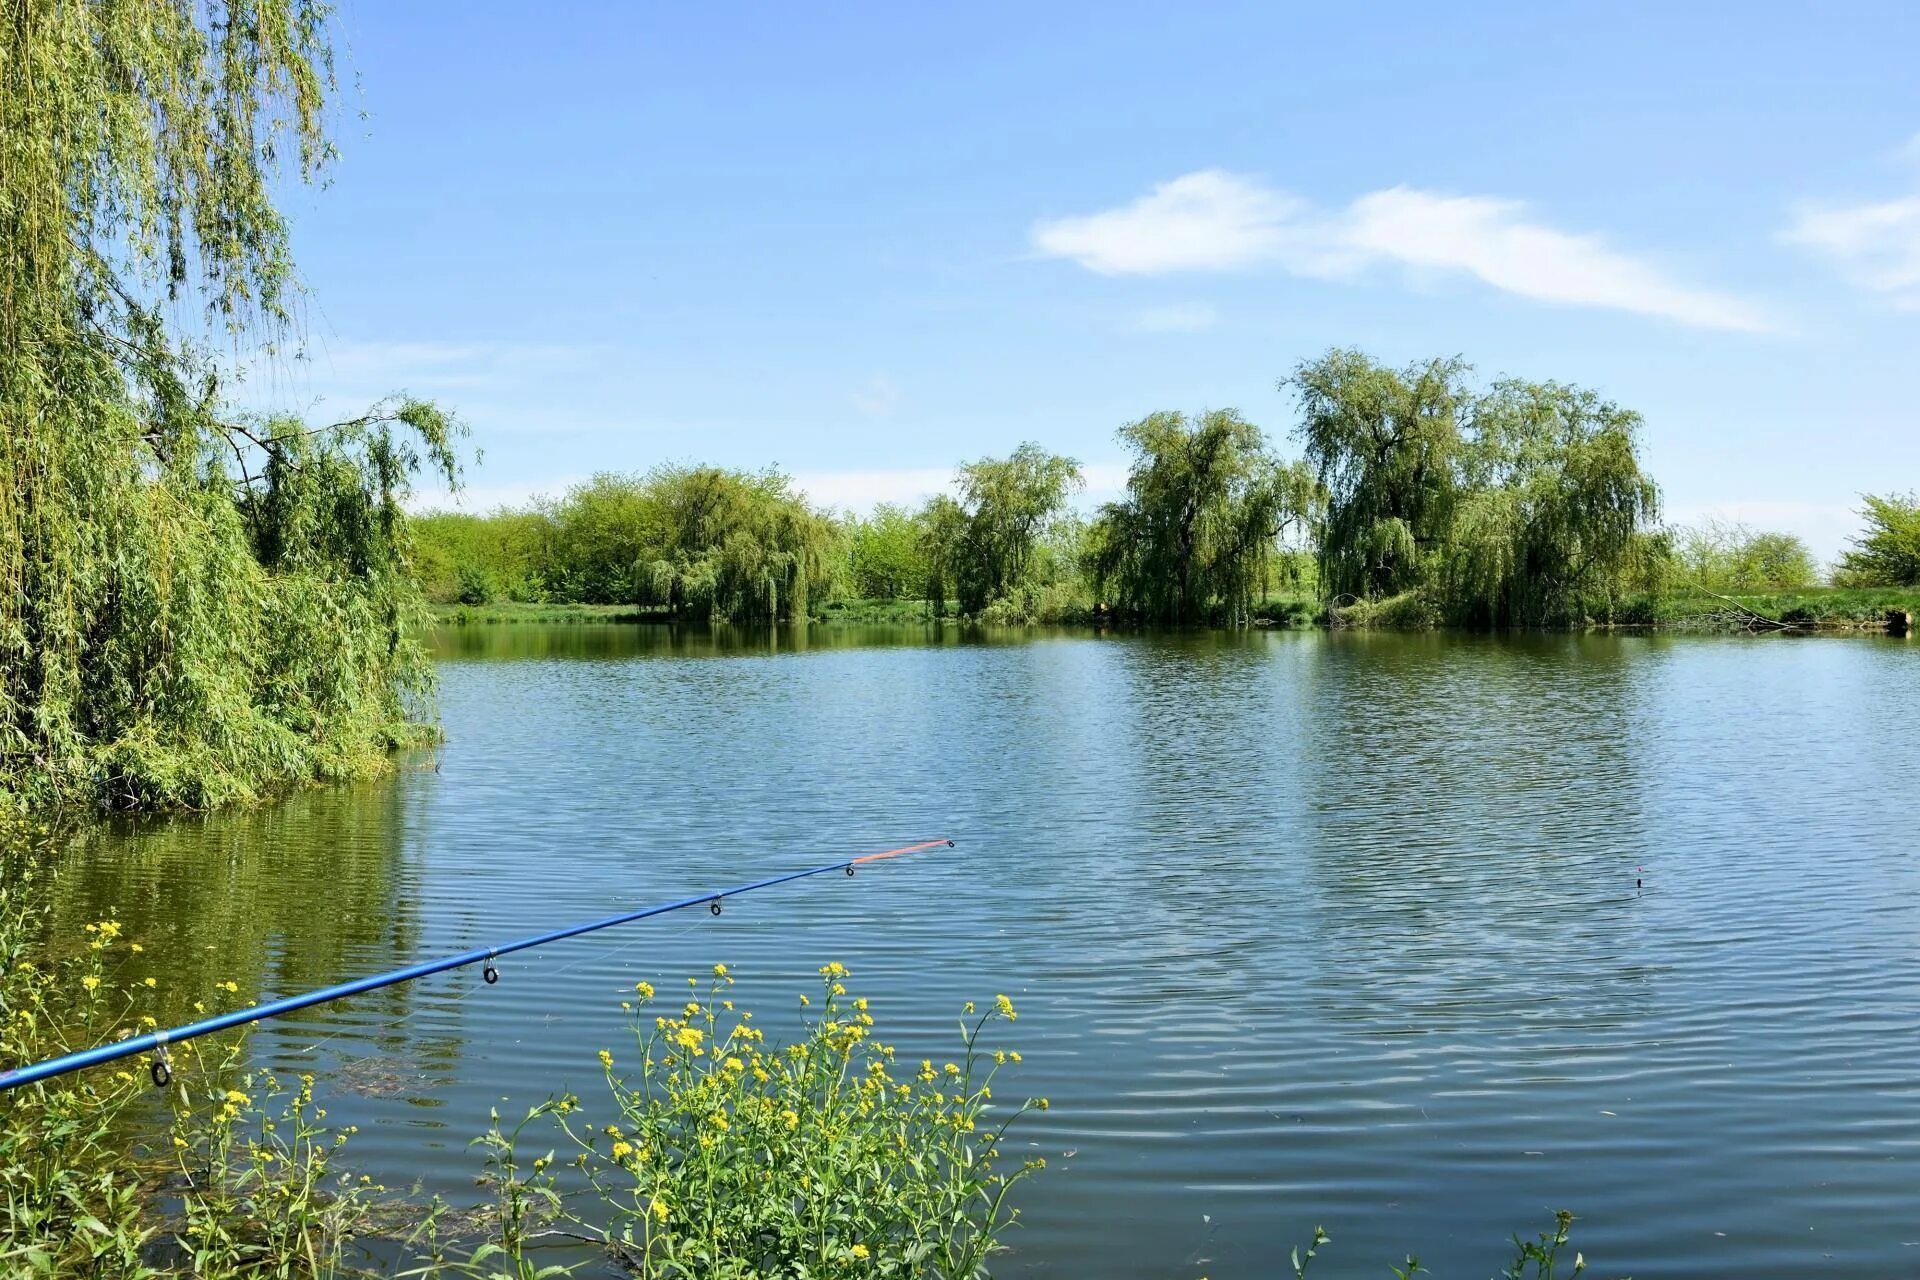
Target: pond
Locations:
point(1303, 927)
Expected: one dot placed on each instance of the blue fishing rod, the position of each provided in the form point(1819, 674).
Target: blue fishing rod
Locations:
point(156, 1042)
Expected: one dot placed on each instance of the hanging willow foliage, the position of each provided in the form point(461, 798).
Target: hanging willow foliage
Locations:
point(705, 543)
point(1552, 525)
point(1205, 508)
point(1522, 505)
point(193, 606)
point(1384, 445)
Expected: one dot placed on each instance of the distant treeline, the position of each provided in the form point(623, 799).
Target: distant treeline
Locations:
point(1512, 504)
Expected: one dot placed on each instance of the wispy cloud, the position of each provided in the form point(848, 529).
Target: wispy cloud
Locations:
point(877, 397)
point(1218, 221)
point(1206, 221)
point(1874, 244)
point(1185, 317)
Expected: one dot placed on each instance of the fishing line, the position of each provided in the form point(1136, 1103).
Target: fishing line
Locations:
point(156, 1042)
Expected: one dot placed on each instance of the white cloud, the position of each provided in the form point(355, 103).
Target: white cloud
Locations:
point(1185, 317)
point(1206, 221)
point(1213, 220)
point(878, 397)
point(1875, 246)
point(1495, 241)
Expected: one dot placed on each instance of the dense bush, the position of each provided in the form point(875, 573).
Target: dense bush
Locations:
point(1887, 553)
point(1720, 556)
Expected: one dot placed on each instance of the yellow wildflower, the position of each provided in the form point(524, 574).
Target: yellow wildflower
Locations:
point(606, 1059)
point(621, 1150)
point(645, 989)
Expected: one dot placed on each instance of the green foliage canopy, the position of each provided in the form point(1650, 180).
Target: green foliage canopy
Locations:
point(1521, 505)
point(1887, 552)
point(195, 605)
point(1384, 446)
point(982, 545)
point(1205, 508)
point(1723, 556)
point(698, 542)
point(1552, 508)
point(887, 557)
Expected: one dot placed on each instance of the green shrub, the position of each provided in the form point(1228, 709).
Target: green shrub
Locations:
point(729, 1158)
point(252, 1186)
point(1409, 611)
point(1887, 553)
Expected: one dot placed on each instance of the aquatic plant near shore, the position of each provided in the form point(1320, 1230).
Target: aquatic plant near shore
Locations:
point(725, 1157)
point(240, 1184)
point(730, 1157)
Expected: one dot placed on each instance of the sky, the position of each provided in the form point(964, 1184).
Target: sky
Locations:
point(865, 243)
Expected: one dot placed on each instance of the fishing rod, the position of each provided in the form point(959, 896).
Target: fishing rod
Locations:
point(156, 1042)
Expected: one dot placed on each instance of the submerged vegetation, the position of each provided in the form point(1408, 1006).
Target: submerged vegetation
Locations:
point(198, 603)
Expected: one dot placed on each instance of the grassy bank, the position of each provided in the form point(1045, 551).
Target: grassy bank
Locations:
point(1835, 609)
point(1812, 608)
point(514, 611)
point(1270, 611)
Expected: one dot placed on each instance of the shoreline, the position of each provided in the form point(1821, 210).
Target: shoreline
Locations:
point(1832, 611)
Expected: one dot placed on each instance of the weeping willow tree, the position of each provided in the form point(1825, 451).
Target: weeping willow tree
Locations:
point(1552, 525)
point(984, 545)
point(196, 605)
point(1384, 446)
point(705, 543)
point(758, 552)
point(1205, 508)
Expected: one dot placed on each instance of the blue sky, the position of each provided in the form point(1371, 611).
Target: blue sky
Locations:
point(867, 242)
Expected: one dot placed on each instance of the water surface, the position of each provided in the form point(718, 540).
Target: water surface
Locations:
point(1304, 928)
